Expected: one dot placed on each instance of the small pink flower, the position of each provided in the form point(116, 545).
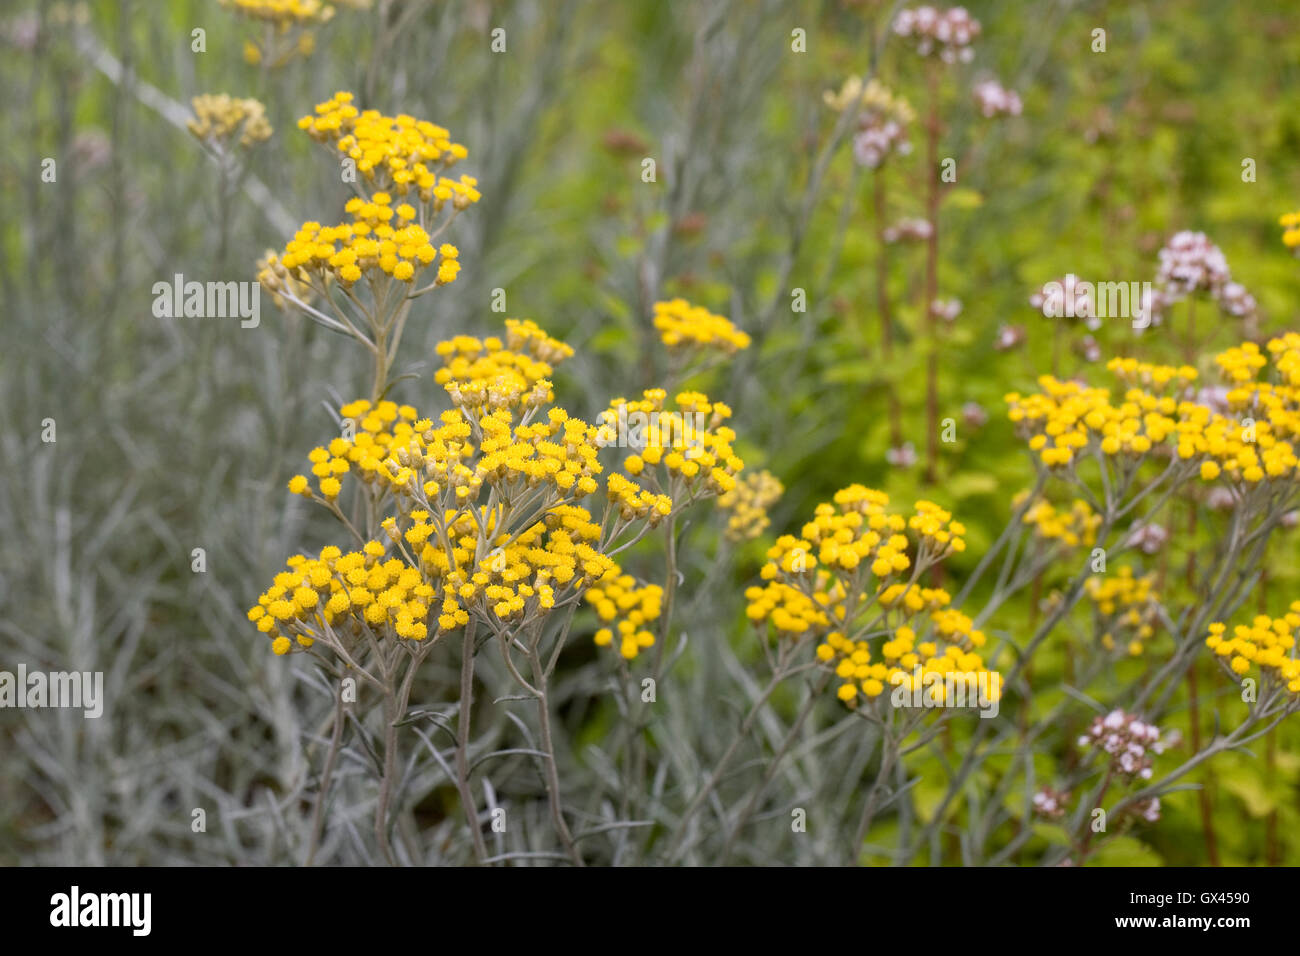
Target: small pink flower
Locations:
point(946, 309)
point(1128, 741)
point(1148, 538)
point(993, 99)
point(878, 139)
point(904, 456)
point(1008, 337)
point(974, 415)
point(947, 33)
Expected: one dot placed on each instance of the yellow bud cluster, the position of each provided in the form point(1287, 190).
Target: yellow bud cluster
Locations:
point(626, 608)
point(875, 98)
point(1127, 609)
point(1073, 527)
point(634, 502)
point(686, 448)
point(851, 556)
point(681, 324)
point(789, 610)
point(947, 645)
point(489, 373)
point(1159, 377)
point(1266, 643)
point(936, 529)
point(399, 152)
point(747, 504)
point(283, 13)
point(377, 432)
point(277, 280)
point(512, 578)
point(380, 241)
point(287, 28)
point(337, 595)
point(220, 120)
point(1066, 418)
point(1290, 223)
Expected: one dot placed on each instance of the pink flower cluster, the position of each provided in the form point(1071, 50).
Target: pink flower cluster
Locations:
point(993, 99)
point(1235, 300)
point(948, 33)
point(904, 456)
point(1051, 803)
point(879, 137)
point(1008, 337)
point(1127, 740)
point(974, 415)
point(1147, 537)
point(946, 309)
point(1148, 810)
point(1190, 263)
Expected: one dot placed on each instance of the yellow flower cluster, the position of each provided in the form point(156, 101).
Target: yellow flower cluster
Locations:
point(818, 582)
point(1285, 350)
point(1127, 607)
point(283, 13)
point(627, 608)
point(482, 502)
point(399, 152)
point(938, 533)
point(791, 611)
point(1267, 643)
point(337, 592)
point(508, 576)
point(495, 374)
point(221, 119)
point(1242, 363)
point(634, 502)
point(684, 450)
point(856, 531)
point(748, 503)
point(876, 97)
point(681, 324)
point(1290, 222)
point(446, 465)
point(1150, 375)
point(277, 281)
point(288, 32)
point(560, 452)
point(377, 432)
point(948, 645)
point(380, 239)
point(1072, 528)
point(453, 548)
point(1067, 418)
point(456, 555)
point(438, 464)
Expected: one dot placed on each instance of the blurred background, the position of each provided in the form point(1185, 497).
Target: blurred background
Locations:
point(176, 434)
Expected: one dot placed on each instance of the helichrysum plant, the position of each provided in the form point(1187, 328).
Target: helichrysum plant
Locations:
point(490, 520)
point(490, 532)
